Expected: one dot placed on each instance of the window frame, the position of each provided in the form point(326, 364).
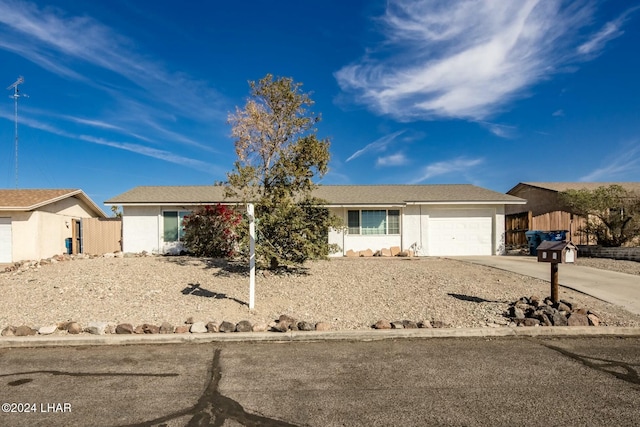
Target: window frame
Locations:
point(358, 230)
point(179, 217)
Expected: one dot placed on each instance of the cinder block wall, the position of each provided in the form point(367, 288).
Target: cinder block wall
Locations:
point(631, 254)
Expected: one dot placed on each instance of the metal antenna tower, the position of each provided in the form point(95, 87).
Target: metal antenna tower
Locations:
point(15, 96)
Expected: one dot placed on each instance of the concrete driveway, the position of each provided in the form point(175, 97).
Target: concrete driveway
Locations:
point(610, 286)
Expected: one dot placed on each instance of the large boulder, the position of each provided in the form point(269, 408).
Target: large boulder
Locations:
point(244, 326)
point(285, 323)
point(227, 327)
point(47, 330)
point(323, 326)
point(382, 324)
point(73, 328)
point(9, 331)
point(198, 328)
point(24, 331)
point(97, 328)
point(124, 328)
point(306, 326)
point(166, 328)
point(577, 319)
point(213, 326)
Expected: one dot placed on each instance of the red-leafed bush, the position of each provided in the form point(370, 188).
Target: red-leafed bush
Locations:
point(212, 231)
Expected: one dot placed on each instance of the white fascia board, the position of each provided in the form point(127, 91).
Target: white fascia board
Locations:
point(485, 202)
point(358, 205)
point(173, 204)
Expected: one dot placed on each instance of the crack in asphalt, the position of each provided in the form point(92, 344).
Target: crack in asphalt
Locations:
point(213, 409)
point(81, 374)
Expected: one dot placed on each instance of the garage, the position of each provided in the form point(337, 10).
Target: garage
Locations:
point(5, 240)
point(460, 232)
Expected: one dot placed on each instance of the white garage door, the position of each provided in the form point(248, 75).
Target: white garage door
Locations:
point(5, 240)
point(463, 232)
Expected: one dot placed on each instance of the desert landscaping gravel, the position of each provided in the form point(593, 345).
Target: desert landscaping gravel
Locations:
point(348, 293)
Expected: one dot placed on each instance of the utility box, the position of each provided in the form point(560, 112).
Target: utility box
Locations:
point(557, 252)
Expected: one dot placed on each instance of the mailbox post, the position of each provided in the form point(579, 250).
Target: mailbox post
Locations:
point(556, 253)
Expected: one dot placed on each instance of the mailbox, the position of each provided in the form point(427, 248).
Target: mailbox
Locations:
point(557, 252)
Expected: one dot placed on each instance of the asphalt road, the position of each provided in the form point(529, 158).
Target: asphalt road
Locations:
point(399, 382)
point(611, 286)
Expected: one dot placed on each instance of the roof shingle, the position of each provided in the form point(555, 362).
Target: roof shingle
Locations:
point(32, 198)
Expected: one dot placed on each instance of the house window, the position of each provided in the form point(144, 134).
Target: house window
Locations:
point(354, 222)
point(173, 228)
point(373, 222)
point(393, 222)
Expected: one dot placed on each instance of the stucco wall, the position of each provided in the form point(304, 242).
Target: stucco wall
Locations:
point(37, 235)
point(70, 206)
point(414, 223)
point(141, 229)
point(499, 234)
point(358, 242)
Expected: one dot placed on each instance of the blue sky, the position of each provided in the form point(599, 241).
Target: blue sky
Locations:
point(126, 93)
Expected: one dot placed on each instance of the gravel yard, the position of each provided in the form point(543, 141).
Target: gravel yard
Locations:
point(348, 293)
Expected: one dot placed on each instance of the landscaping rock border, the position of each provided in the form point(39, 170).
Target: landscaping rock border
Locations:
point(283, 324)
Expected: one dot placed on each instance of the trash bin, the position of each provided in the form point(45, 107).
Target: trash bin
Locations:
point(534, 238)
point(557, 235)
point(67, 244)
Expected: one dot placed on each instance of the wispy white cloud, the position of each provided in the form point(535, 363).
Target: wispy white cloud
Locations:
point(49, 38)
point(150, 152)
point(459, 164)
point(558, 113)
point(503, 131)
point(397, 159)
point(624, 164)
point(127, 146)
point(378, 145)
point(608, 32)
point(94, 123)
point(143, 91)
point(467, 59)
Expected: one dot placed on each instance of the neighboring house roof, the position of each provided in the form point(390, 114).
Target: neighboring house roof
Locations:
point(31, 199)
point(564, 186)
point(334, 194)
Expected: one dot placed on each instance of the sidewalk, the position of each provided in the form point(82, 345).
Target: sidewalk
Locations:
point(610, 286)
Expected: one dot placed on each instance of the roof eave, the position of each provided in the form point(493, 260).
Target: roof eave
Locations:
point(471, 202)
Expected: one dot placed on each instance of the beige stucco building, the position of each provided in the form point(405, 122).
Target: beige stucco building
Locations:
point(37, 223)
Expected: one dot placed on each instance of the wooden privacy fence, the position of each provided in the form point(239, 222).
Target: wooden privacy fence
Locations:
point(517, 224)
point(101, 235)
